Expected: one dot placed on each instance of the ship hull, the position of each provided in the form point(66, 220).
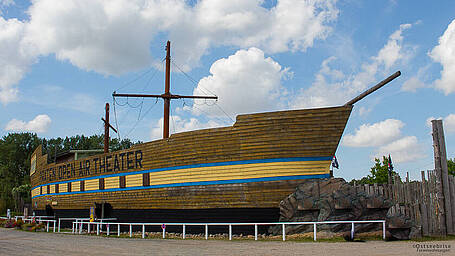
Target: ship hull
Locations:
point(252, 165)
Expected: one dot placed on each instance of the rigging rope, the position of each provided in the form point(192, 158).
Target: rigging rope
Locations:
point(139, 105)
point(193, 80)
point(116, 123)
point(137, 122)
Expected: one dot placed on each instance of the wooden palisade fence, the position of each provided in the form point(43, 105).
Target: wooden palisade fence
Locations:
point(418, 200)
point(429, 203)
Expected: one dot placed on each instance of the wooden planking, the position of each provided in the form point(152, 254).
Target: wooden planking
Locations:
point(134, 180)
point(75, 186)
point(269, 139)
point(259, 194)
point(418, 200)
point(284, 134)
point(63, 188)
point(92, 184)
point(228, 172)
point(111, 182)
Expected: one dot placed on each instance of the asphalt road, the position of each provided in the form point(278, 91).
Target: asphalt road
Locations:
point(13, 242)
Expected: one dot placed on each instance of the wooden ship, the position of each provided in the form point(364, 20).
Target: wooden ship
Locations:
point(235, 173)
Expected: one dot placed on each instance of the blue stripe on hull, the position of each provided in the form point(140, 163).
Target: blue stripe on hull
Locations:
point(255, 161)
point(200, 183)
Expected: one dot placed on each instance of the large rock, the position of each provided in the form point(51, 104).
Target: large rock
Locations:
point(335, 199)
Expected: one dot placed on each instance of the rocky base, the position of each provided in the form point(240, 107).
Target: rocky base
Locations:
point(334, 199)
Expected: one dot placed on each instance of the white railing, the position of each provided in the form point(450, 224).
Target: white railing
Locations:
point(30, 220)
point(79, 225)
point(78, 220)
point(36, 217)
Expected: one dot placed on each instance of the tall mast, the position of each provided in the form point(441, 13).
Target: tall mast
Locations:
point(106, 130)
point(166, 96)
point(107, 125)
point(167, 85)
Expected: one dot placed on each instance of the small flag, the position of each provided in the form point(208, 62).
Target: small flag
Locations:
point(335, 162)
point(390, 164)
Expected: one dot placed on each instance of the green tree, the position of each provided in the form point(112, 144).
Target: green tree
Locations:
point(15, 153)
point(379, 173)
point(451, 166)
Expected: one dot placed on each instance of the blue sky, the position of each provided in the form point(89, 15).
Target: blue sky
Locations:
point(60, 61)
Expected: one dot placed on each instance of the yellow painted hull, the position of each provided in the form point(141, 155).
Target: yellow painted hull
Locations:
point(253, 164)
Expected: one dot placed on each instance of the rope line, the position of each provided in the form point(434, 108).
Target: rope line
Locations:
point(137, 122)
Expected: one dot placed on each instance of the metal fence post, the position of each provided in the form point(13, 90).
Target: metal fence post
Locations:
point(230, 232)
point(383, 230)
point(131, 230)
point(97, 229)
point(284, 232)
point(164, 233)
point(118, 229)
point(255, 232)
point(206, 231)
point(183, 231)
point(47, 227)
point(352, 230)
point(107, 229)
point(314, 231)
point(143, 231)
point(59, 225)
point(53, 229)
point(88, 227)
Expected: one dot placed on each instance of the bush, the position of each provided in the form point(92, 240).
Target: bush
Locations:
point(10, 224)
point(29, 227)
point(19, 223)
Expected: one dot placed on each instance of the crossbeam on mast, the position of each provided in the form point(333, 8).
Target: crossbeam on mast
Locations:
point(170, 96)
point(107, 125)
point(166, 96)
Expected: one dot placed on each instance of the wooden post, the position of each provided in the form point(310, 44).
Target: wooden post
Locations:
point(440, 161)
point(452, 197)
point(167, 94)
point(423, 206)
point(106, 130)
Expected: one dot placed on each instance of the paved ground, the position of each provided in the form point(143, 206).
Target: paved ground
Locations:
point(14, 242)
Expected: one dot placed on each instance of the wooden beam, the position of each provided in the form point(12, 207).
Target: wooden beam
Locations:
point(440, 161)
point(374, 88)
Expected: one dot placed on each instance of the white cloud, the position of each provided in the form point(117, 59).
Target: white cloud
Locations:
point(392, 51)
point(113, 37)
point(289, 25)
point(14, 58)
point(178, 124)
point(406, 149)
point(444, 53)
point(449, 123)
point(363, 111)
point(412, 84)
point(39, 124)
point(109, 37)
point(244, 82)
point(332, 87)
point(377, 134)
